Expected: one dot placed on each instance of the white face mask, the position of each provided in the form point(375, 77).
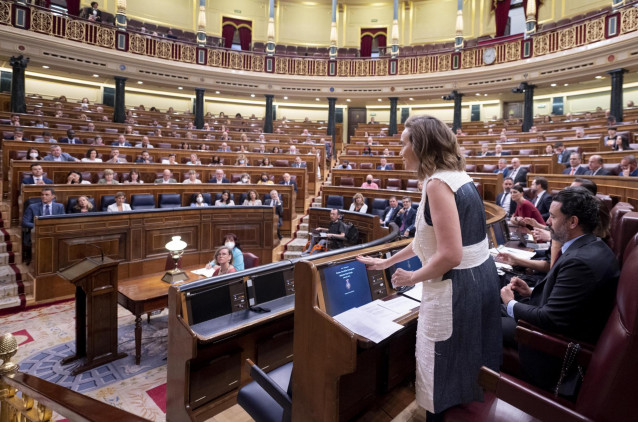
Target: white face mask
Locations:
point(33, 155)
point(230, 245)
point(244, 180)
point(199, 199)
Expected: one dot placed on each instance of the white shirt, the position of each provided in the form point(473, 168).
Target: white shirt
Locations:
point(538, 198)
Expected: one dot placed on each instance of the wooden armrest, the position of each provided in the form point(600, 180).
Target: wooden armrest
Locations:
point(552, 344)
point(528, 398)
point(271, 387)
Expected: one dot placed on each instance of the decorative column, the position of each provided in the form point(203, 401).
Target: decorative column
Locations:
point(120, 16)
point(456, 123)
point(331, 121)
point(393, 116)
point(268, 116)
point(119, 112)
point(617, 3)
point(333, 32)
point(201, 24)
point(458, 40)
point(18, 103)
point(199, 107)
point(615, 106)
point(395, 31)
point(530, 23)
point(528, 105)
point(270, 44)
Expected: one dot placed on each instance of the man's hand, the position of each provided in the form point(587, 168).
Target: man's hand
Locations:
point(532, 222)
point(520, 286)
point(541, 235)
point(507, 294)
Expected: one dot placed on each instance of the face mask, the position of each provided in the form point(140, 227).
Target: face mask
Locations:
point(33, 155)
point(265, 179)
point(230, 245)
point(241, 161)
point(244, 180)
point(369, 181)
point(199, 199)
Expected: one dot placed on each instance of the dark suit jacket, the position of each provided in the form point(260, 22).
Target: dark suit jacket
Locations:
point(386, 167)
point(36, 210)
point(298, 165)
point(409, 220)
point(543, 205)
point(512, 209)
point(88, 11)
point(31, 181)
point(601, 172)
point(214, 180)
point(117, 144)
point(279, 209)
point(66, 141)
point(579, 171)
point(624, 141)
point(292, 182)
point(521, 176)
point(564, 157)
point(394, 217)
point(489, 154)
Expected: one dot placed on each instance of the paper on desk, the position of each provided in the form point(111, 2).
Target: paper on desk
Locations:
point(416, 293)
point(375, 308)
point(400, 304)
point(504, 266)
point(367, 325)
point(206, 272)
point(519, 253)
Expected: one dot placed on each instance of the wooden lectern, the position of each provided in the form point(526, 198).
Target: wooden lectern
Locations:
point(95, 281)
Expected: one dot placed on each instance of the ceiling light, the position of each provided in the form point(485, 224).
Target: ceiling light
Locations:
point(45, 67)
point(411, 99)
point(379, 99)
point(348, 99)
point(180, 87)
point(252, 95)
point(140, 82)
point(95, 75)
point(285, 98)
point(599, 77)
point(478, 94)
point(565, 84)
point(553, 85)
point(485, 95)
point(316, 99)
point(216, 92)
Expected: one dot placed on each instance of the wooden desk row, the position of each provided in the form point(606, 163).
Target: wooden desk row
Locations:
point(57, 171)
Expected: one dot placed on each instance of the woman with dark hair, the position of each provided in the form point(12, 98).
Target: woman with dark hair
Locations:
point(134, 178)
point(216, 161)
point(367, 151)
point(32, 155)
point(231, 241)
point(265, 162)
point(524, 208)
point(276, 150)
point(225, 200)
point(91, 156)
point(252, 199)
point(74, 177)
point(459, 326)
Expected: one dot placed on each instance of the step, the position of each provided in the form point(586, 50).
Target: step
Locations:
point(303, 227)
point(291, 254)
point(302, 234)
point(316, 204)
point(297, 245)
point(305, 219)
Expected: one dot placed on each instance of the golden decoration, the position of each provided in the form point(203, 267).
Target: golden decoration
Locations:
point(628, 20)
point(343, 67)
point(214, 58)
point(258, 63)
point(423, 64)
point(236, 60)
point(188, 53)
point(105, 37)
point(44, 413)
point(136, 43)
point(467, 58)
point(41, 22)
point(27, 401)
point(595, 30)
point(541, 45)
point(281, 65)
point(362, 67)
point(512, 51)
point(164, 49)
point(75, 30)
point(300, 66)
point(5, 13)
point(382, 68)
point(445, 62)
point(566, 38)
point(403, 66)
point(321, 67)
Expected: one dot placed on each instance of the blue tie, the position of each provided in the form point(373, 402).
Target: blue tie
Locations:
point(47, 209)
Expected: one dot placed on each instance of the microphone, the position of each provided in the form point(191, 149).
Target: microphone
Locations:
point(97, 247)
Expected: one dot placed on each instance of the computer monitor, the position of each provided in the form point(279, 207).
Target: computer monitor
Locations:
point(345, 286)
point(500, 237)
point(209, 303)
point(266, 287)
point(410, 264)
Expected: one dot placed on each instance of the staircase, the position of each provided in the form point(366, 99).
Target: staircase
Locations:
point(12, 288)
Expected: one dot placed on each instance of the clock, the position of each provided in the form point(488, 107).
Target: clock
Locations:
point(489, 55)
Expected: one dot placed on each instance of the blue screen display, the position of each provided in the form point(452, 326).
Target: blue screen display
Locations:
point(345, 286)
point(410, 264)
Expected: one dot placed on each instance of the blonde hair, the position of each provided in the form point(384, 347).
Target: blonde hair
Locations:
point(434, 144)
point(358, 195)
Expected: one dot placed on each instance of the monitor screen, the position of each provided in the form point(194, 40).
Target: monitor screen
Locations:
point(499, 234)
point(210, 303)
point(269, 287)
point(345, 286)
point(410, 264)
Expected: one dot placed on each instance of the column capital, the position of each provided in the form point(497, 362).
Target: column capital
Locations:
point(120, 78)
point(619, 71)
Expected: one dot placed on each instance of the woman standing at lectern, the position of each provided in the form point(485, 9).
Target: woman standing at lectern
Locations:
point(459, 327)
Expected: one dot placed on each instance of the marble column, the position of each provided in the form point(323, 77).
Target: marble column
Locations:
point(18, 103)
point(458, 40)
point(615, 106)
point(120, 15)
point(199, 107)
point(394, 52)
point(331, 120)
point(458, 98)
point(333, 32)
point(268, 117)
point(393, 116)
point(528, 106)
point(530, 22)
point(119, 111)
point(270, 32)
point(201, 24)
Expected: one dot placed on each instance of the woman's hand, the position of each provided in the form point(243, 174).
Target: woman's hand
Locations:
point(532, 222)
point(402, 277)
point(373, 263)
point(507, 258)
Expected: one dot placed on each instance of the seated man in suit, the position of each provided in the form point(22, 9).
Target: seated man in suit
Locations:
point(517, 173)
point(542, 199)
point(504, 199)
point(576, 297)
point(502, 166)
point(121, 142)
point(390, 213)
point(288, 181)
point(407, 215)
point(485, 151)
point(345, 165)
point(629, 166)
point(47, 207)
point(574, 168)
point(37, 177)
point(298, 163)
point(167, 177)
point(144, 143)
point(274, 201)
point(596, 166)
point(384, 164)
point(562, 155)
point(498, 151)
point(220, 177)
point(91, 13)
point(224, 147)
point(115, 157)
point(18, 135)
point(145, 158)
point(56, 154)
point(71, 138)
point(615, 141)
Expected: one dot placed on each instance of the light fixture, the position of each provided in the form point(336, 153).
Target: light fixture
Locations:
point(379, 99)
point(180, 87)
point(140, 82)
point(285, 98)
point(553, 85)
point(216, 92)
point(411, 99)
point(485, 95)
point(252, 95)
point(598, 77)
point(478, 94)
point(45, 67)
point(348, 100)
point(317, 99)
point(95, 75)
point(176, 248)
point(565, 84)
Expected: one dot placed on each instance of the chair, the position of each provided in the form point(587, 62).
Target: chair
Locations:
point(281, 163)
point(613, 168)
point(106, 200)
point(470, 168)
point(528, 151)
point(346, 181)
point(169, 200)
point(366, 166)
point(393, 184)
point(615, 216)
point(626, 230)
point(142, 201)
point(268, 398)
point(70, 203)
point(412, 185)
point(250, 260)
point(207, 198)
point(487, 168)
point(335, 201)
point(378, 206)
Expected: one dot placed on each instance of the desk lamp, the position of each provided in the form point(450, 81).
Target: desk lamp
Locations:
point(176, 248)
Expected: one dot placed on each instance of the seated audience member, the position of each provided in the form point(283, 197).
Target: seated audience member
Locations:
point(47, 207)
point(36, 177)
point(517, 173)
point(629, 166)
point(225, 200)
point(129, 129)
point(261, 149)
point(579, 132)
point(252, 199)
point(224, 147)
point(74, 177)
point(459, 132)
point(298, 163)
point(596, 166)
point(369, 183)
point(56, 154)
point(115, 157)
point(32, 155)
point(265, 180)
point(109, 178)
point(223, 260)
point(91, 156)
point(542, 199)
point(275, 202)
point(498, 151)
point(485, 151)
point(199, 201)
point(82, 205)
point(366, 151)
point(265, 162)
point(407, 216)
point(358, 204)
point(92, 14)
point(574, 168)
point(121, 142)
point(47, 138)
point(90, 127)
point(276, 150)
point(549, 149)
point(145, 143)
point(287, 181)
point(524, 208)
point(335, 234)
point(503, 138)
point(501, 166)
point(220, 177)
point(71, 138)
point(145, 158)
point(192, 178)
point(241, 160)
point(244, 179)
point(390, 214)
point(615, 141)
point(386, 152)
point(194, 160)
point(577, 295)
point(345, 165)
point(231, 241)
point(98, 141)
point(172, 159)
point(372, 121)
point(133, 178)
point(18, 135)
point(167, 177)
point(292, 150)
point(384, 165)
point(504, 199)
point(15, 120)
point(120, 204)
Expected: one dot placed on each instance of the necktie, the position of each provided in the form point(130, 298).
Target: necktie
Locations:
point(503, 199)
point(513, 175)
point(405, 215)
point(47, 209)
point(571, 173)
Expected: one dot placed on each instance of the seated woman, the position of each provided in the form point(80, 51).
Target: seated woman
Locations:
point(216, 161)
point(108, 178)
point(524, 208)
point(367, 151)
point(82, 205)
point(98, 141)
point(244, 179)
point(225, 200)
point(120, 204)
point(194, 161)
point(199, 201)
point(265, 180)
point(231, 241)
point(549, 149)
point(276, 150)
point(134, 178)
point(74, 177)
point(358, 204)
point(252, 199)
point(265, 162)
point(32, 155)
point(241, 160)
point(223, 261)
point(192, 178)
point(91, 157)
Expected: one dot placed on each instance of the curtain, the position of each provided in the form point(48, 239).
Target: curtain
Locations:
point(245, 37)
point(501, 10)
point(382, 39)
point(369, 34)
point(366, 46)
point(73, 7)
point(228, 32)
